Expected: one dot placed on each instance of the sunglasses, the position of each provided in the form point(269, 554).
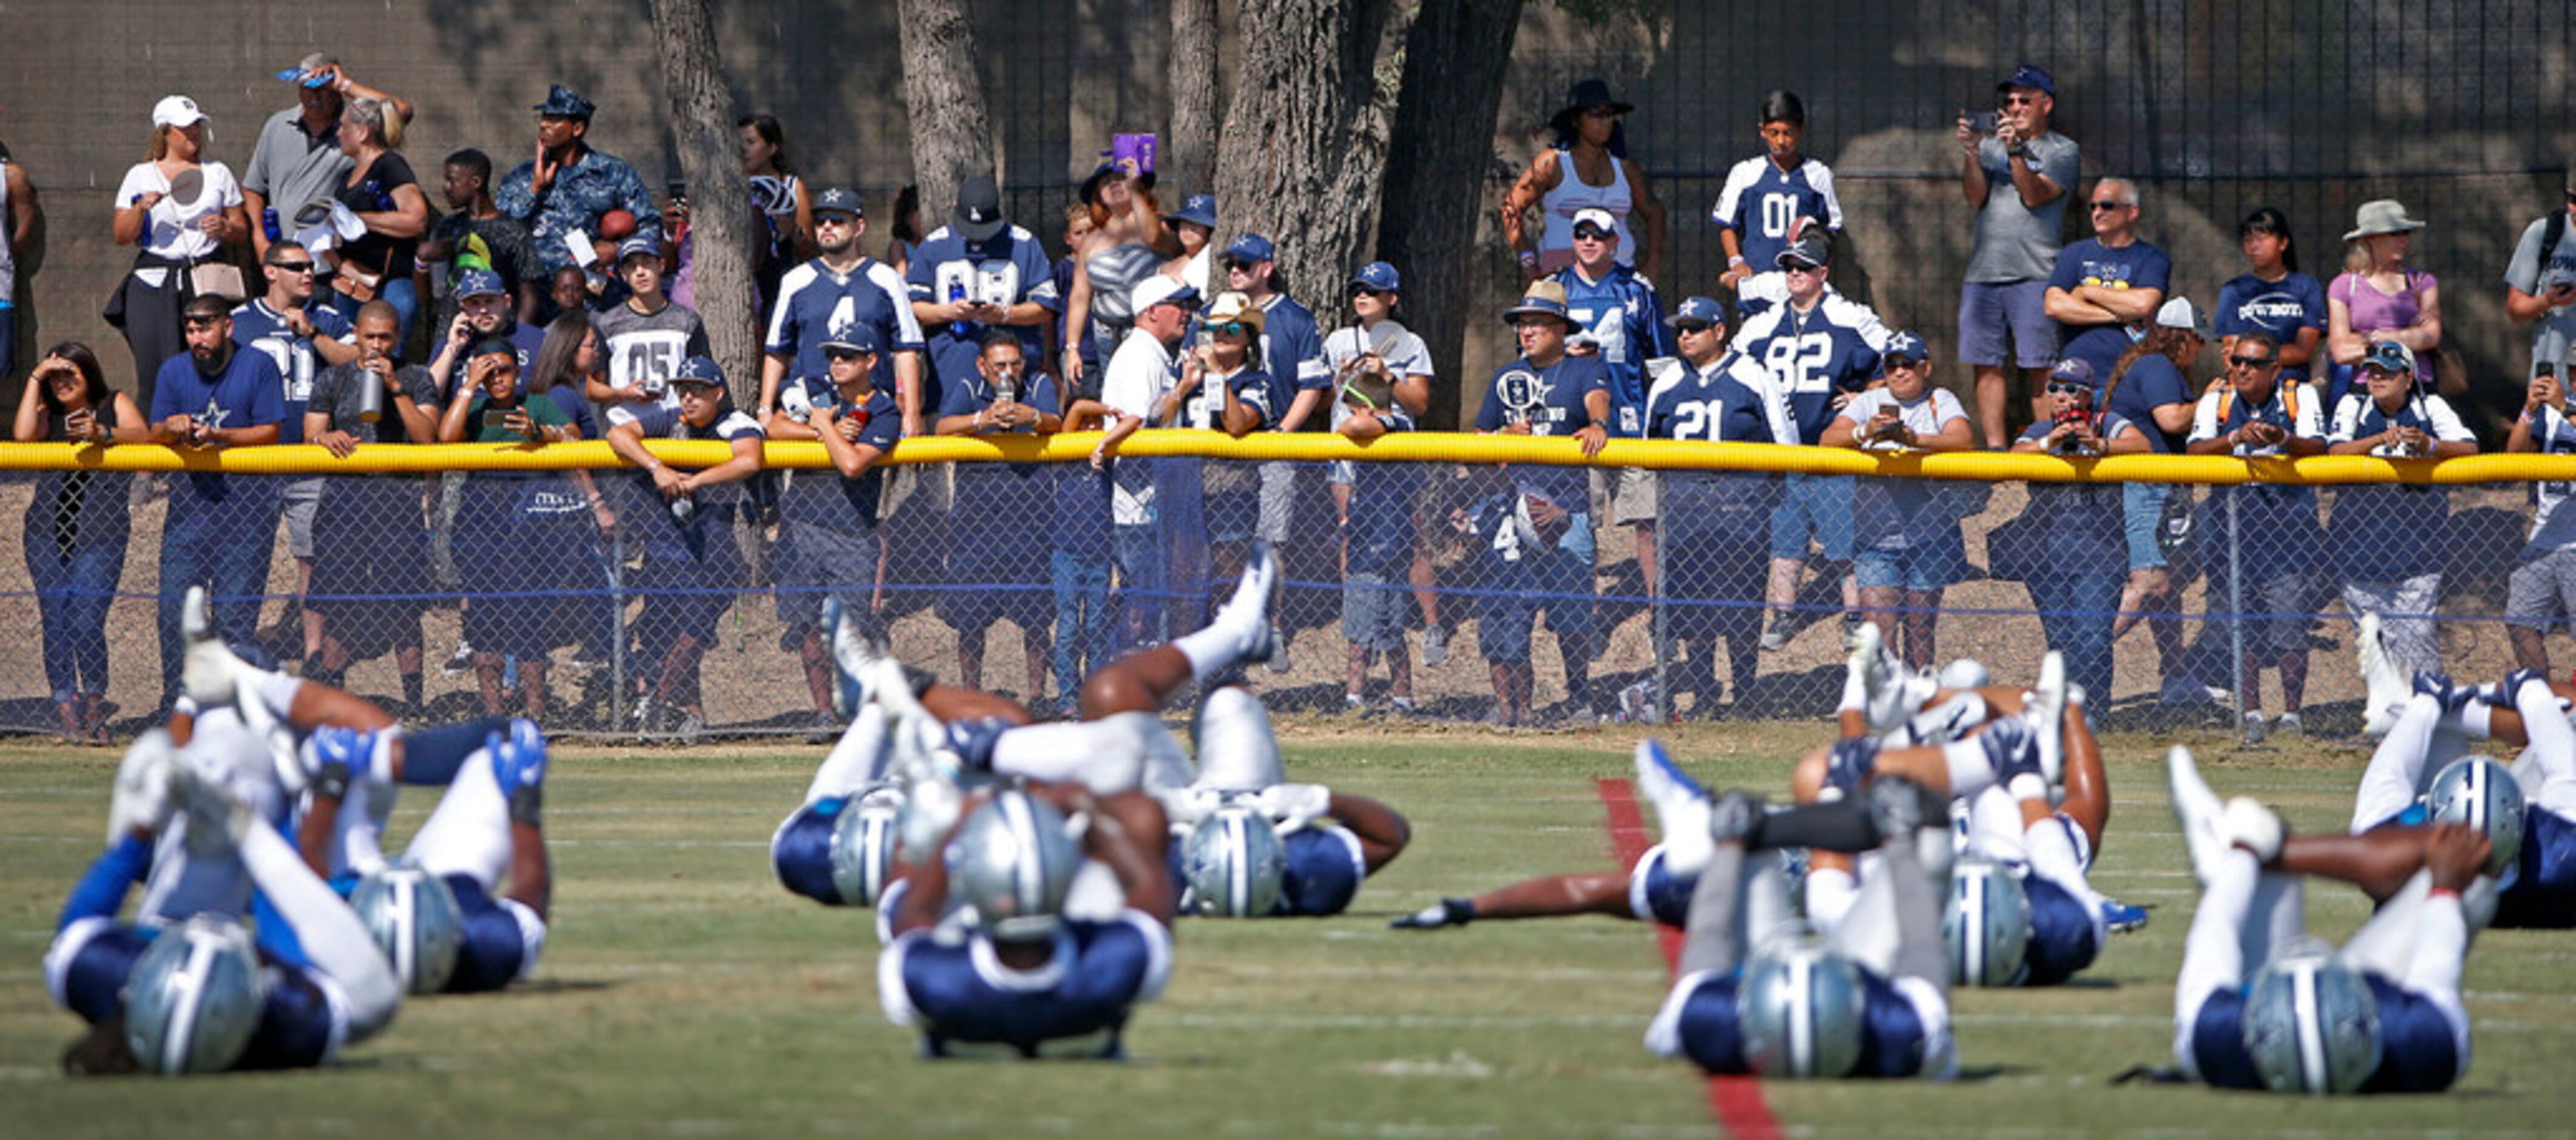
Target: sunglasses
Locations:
point(1231, 328)
point(2021, 100)
point(2110, 205)
point(1902, 362)
point(2250, 361)
point(1591, 233)
point(2062, 388)
point(1365, 291)
point(1695, 326)
point(292, 266)
point(1801, 267)
point(842, 354)
point(822, 220)
point(1233, 265)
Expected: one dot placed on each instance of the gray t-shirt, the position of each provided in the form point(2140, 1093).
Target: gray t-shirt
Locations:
point(2528, 272)
point(290, 168)
point(646, 349)
point(2015, 242)
point(336, 392)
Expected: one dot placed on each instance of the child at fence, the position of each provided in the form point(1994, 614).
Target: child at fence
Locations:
point(692, 565)
point(2386, 539)
point(2261, 538)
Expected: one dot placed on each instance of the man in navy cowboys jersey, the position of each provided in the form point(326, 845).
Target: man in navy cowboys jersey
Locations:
point(840, 286)
point(1619, 318)
point(1820, 348)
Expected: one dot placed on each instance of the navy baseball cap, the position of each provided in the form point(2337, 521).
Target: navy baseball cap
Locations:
point(2074, 370)
point(1197, 209)
point(840, 200)
point(2030, 76)
point(565, 103)
point(979, 209)
point(1251, 247)
point(494, 346)
point(479, 282)
point(699, 370)
point(1904, 346)
point(638, 246)
point(1379, 277)
point(857, 336)
point(1698, 310)
point(2390, 356)
point(1813, 248)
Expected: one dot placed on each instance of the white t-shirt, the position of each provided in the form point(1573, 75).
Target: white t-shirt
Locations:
point(1137, 376)
point(1405, 356)
point(171, 226)
point(1927, 416)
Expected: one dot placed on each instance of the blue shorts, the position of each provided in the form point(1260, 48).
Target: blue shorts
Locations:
point(2542, 894)
point(1986, 312)
point(2142, 513)
point(1817, 505)
point(1657, 894)
point(1558, 582)
point(1922, 567)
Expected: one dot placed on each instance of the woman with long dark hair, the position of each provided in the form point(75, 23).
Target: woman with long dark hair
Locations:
point(783, 199)
point(74, 530)
point(1585, 167)
point(566, 361)
point(2272, 295)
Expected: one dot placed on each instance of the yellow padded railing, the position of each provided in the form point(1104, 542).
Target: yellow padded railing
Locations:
point(1414, 446)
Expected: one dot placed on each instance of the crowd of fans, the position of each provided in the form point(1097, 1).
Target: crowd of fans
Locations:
point(558, 303)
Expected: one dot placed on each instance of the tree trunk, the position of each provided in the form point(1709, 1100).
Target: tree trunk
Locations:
point(1305, 141)
point(943, 95)
point(702, 129)
point(1197, 105)
point(1437, 161)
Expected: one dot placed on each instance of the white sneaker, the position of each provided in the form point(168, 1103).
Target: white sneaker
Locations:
point(2289, 724)
point(2046, 705)
point(2385, 691)
point(141, 800)
point(1681, 808)
point(2197, 811)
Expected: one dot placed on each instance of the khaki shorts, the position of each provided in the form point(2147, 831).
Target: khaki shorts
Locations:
point(1627, 496)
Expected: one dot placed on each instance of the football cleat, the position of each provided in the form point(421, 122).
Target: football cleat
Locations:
point(2384, 688)
point(2045, 705)
point(142, 800)
point(2120, 918)
point(2197, 811)
point(1447, 912)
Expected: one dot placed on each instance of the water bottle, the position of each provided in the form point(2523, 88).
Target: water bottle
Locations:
point(371, 395)
point(957, 293)
point(682, 508)
point(1006, 391)
point(268, 225)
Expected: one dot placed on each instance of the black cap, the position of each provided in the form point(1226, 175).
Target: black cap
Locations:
point(979, 209)
point(840, 200)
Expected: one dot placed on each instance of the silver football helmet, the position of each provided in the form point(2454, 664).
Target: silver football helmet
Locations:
point(193, 1000)
point(2311, 1024)
point(1987, 924)
point(863, 844)
point(414, 920)
point(1801, 1008)
point(1235, 863)
point(2482, 794)
point(1013, 861)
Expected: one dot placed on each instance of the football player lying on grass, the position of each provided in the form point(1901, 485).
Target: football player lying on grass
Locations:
point(210, 994)
point(2382, 1014)
point(832, 849)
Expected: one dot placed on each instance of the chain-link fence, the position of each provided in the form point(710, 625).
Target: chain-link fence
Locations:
point(1445, 584)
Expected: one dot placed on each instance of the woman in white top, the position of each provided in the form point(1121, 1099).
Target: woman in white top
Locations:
point(182, 211)
point(782, 198)
point(1587, 167)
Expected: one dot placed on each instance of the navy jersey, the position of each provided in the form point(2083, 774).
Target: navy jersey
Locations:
point(1325, 868)
point(1829, 351)
point(801, 852)
point(2065, 935)
point(247, 393)
point(298, 1026)
point(813, 299)
point(502, 938)
point(1657, 893)
point(2136, 265)
point(2417, 1052)
point(1621, 314)
point(2281, 308)
point(1267, 392)
point(1705, 1024)
point(968, 1004)
point(818, 496)
point(259, 327)
point(2390, 532)
point(659, 422)
point(1292, 349)
point(1733, 400)
point(1009, 268)
point(1760, 202)
point(2542, 892)
point(1550, 401)
point(969, 394)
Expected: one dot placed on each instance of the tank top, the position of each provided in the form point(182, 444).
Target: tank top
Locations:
point(1115, 273)
point(1571, 195)
point(8, 263)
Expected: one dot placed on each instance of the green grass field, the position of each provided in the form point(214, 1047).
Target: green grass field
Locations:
point(685, 993)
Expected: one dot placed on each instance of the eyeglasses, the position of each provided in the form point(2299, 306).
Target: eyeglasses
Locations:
point(1901, 362)
point(1237, 265)
point(1230, 328)
point(2021, 100)
point(2106, 205)
point(1801, 267)
point(2063, 388)
point(842, 354)
point(292, 266)
point(2250, 361)
point(1591, 233)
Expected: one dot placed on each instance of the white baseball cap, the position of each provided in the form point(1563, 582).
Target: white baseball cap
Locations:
point(176, 111)
point(1157, 290)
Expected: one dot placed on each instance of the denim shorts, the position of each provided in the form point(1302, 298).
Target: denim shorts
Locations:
point(1921, 567)
point(2142, 512)
point(1987, 311)
point(1818, 505)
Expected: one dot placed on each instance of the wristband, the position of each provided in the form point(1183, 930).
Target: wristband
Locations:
point(331, 781)
point(1736, 260)
point(528, 805)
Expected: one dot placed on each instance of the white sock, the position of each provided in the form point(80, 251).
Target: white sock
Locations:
point(1231, 634)
point(1970, 771)
point(332, 937)
point(856, 759)
point(1830, 891)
